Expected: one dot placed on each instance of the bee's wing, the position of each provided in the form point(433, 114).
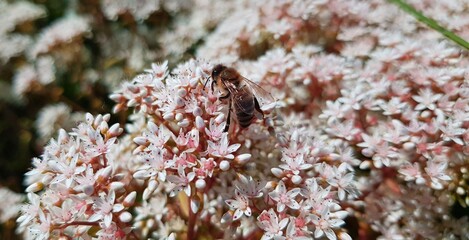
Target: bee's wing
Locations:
point(237, 95)
point(265, 99)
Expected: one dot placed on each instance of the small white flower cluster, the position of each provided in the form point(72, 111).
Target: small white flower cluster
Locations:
point(74, 187)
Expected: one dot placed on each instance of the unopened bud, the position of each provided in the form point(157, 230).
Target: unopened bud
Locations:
point(103, 127)
point(365, 165)
point(146, 194)
point(97, 120)
point(132, 103)
point(115, 130)
point(277, 172)
point(197, 111)
point(182, 92)
point(104, 174)
point(152, 185)
point(296, 179)
point(179, 117)
point(125, 217)
point(180, 102)
point(142, 174)
point(130, 199)
point(89, 118)
point(199, 123)
point(116, 97)
point(63, 136)
point(88, 190)
point(184, 123)
point(35, 187)
point(140, 140)
point(168, 116)
point(242, 158)
point(117, 186)
point(200, 184)
point(224, 165)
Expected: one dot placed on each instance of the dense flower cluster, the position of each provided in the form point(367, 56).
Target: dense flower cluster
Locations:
point(75, 188)
point(183, 148)
point(368, 136)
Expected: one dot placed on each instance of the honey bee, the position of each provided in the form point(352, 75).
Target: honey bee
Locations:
point(245, 97)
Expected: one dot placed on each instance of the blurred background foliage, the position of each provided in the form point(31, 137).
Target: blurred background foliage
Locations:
point(61, 59)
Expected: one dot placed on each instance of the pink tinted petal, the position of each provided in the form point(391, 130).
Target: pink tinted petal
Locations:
point(107, 220)
point(330, 234)
point(234, 147)
point(232, 203)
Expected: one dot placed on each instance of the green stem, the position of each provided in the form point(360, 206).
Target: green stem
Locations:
point(431, 23)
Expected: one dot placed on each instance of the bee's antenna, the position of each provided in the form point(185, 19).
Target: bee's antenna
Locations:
point(206, 81)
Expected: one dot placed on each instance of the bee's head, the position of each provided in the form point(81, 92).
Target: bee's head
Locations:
point(217, 70)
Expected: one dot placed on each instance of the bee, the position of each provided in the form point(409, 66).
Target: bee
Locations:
point(244, 96)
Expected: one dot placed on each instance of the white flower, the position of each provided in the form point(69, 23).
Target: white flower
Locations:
point(241, 204)
point(284, 198)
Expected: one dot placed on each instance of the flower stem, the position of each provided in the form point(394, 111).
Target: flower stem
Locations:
point(431, 23)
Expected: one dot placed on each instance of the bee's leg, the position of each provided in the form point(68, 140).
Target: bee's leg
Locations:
point(212, 86)
point(227, 126)
point(258, 107)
